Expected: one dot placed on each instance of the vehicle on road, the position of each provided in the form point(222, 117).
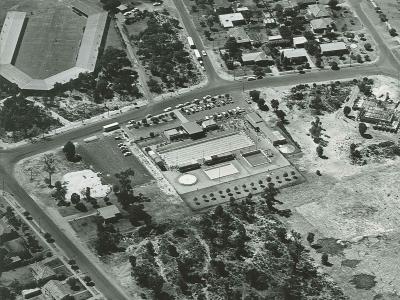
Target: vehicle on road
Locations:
point(191, 43)
point(111, 127)
point(197, 54)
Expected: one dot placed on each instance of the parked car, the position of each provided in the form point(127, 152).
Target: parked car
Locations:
point(203, 52)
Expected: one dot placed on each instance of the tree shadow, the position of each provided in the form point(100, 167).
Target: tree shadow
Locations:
point(367, 136)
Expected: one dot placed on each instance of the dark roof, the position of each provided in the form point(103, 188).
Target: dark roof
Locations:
point(192, 128)
point(254, 118)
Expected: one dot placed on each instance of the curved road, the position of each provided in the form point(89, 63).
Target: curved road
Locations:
point(386, 65)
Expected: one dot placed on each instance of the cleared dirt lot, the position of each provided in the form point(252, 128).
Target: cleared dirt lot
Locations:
point(351, 208)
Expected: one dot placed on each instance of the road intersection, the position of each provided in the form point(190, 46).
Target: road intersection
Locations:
point(387, 64)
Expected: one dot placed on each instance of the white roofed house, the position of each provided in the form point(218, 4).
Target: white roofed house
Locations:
point(231, 20)
point(336, 48)
point(257, 58)
point(294, 56)
point(299, 41)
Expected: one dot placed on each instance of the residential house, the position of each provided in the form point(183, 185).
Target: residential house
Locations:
point(7, 232)
point(55, 290)
point(109, 213)
point(294, 56)
point(322, 25)
point(42, 273)
point(240, 36)
point(299, 41)
point(122, 8)
point(174, 134)
point(336, 48)
point(231, 20)
point(317, 11)
point(257, 58)
point(377, 115)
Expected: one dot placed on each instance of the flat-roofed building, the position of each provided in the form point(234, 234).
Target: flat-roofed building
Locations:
point(173, 134)
point(209, 124)
point(231, 20)
point(336, 48)
point(299, 41)
point(377, 115)
point(254, 119)
point(193, 129)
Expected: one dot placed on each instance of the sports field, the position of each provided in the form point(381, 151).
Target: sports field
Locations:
point(50, 41)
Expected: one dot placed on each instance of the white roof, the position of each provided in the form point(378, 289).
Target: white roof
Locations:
point(243, 8)
point(299, 40)
point(333, 47)
point(254, 56)
point(274, 37)
point(10, 34)
point(293, 53)
point(228, 19)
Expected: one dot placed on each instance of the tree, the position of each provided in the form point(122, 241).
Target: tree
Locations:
point(232, 46)
point(254, 95)
point(316, 103)
point(333, 4)
point(75, 198)
point(368, 46)
point(258, 71)
point(69, 151)
point(346, 110)
point(310, 237)
point(154, 86)
point(362, 128)
point(325, 259)
point(49, 162)
point(280, 114)
point(334, 66)
point(6, 294)
point(274, 104)
point(320, 151)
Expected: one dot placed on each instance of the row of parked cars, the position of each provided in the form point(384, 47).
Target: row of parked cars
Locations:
point(225, 114)
point(206, 104)
point(124, 149)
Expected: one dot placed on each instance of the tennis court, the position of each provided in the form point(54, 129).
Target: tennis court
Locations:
point(50, 42)
point(221, 171)
point(256, 158)
point(200, 150)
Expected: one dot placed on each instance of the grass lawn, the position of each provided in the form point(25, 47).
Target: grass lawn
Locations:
point(23, 275)
point(50, 42)
point(104, 156)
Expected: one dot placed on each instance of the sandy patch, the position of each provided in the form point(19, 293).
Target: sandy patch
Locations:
point(77, 182)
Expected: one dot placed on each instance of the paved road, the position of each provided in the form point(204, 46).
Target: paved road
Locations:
point(386, 65)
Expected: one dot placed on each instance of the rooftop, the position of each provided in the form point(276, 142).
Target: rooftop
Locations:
point(227, 20)
point(40, 271)
point(108, 212)
point(299, 40)
point(321, 23)
point(55, 289)
point(336, 46)
point(318, 11)
point(239, 34)
point(293, 53)
point(254, 56)
point(254, 118)
point(192, 128)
